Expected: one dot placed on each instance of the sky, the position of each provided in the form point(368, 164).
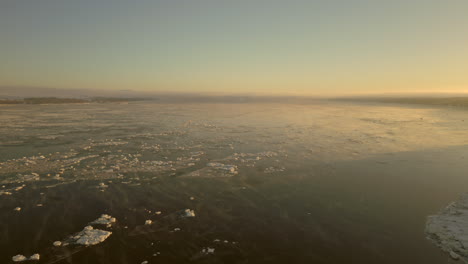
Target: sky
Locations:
point(240, 46)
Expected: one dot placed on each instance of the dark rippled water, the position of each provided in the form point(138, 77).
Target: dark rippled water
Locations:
point(323, 183)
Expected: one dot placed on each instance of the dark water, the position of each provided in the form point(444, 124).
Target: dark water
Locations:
point(319, 183)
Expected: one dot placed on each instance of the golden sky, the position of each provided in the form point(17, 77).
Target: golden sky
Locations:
point(255, 46)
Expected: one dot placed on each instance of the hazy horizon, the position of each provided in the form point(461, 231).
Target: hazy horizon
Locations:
point(24, 92)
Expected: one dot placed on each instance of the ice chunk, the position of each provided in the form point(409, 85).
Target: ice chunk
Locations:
point(449, 229)
point(188, 213)
point(148, 222)
point(19, 187)
point(102, 185)
point(220, 166)
point(454, 255)
point(17, 209)
point(90, 236)
point(57, 243)
point(274, 169)
point(104, 220)
point(145, 262)
point(208, 250)
point(18, 258)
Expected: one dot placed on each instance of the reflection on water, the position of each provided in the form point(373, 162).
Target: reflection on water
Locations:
point(323, 183)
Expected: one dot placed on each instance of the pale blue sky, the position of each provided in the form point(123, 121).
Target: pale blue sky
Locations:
point(238, 46)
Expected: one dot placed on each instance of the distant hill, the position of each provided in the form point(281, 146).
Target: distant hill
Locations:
point(55, 100)
point(13, 93)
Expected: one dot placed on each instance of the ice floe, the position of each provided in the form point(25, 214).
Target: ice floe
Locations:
point(188, 213)
point(213, 170)
point(208, 250)
point(228, 168)
point(274, 169)
point(105, 219)
point(449, 229)
point(90, 236)
point(20, 258)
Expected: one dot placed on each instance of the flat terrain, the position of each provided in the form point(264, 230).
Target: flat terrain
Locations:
point(427, 101)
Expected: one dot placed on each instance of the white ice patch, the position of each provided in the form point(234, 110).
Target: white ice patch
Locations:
point(20, 258)
point(274, 169)
point(90, 236)
point(449, 229)
point(104, 220)
point(208, 250)
point(188, 213)
point(227, 168)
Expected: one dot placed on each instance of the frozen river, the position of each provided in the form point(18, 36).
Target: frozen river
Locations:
point(227, 183)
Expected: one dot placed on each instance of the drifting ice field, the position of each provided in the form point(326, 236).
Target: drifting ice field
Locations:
point(226, 183)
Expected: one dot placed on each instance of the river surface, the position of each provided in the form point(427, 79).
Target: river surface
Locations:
point(268, 183)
